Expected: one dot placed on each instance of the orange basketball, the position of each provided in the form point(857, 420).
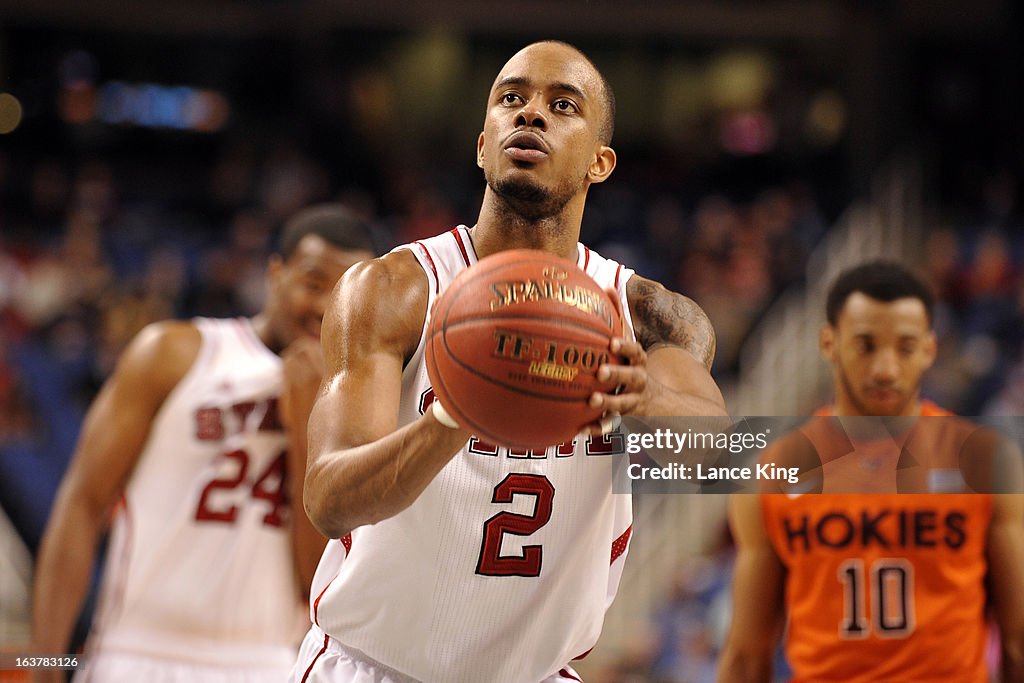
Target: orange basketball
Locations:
point(514, 344)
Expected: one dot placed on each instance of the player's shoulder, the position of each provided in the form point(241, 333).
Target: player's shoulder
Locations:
point(664, 317)
point(160, 354)
point(385, 297)
point(397, 272)
point(653, 299)
point(169, 340)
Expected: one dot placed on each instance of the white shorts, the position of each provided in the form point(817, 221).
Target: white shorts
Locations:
point(325, 660)
point(117, 667)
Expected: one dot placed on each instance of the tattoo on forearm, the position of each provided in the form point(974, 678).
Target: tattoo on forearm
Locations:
point(667, 318)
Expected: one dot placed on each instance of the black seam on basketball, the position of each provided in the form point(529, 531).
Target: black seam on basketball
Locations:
point(445, 325)
point(525, 392)
point(456, 292)
point(463, 419)
point(452, 406)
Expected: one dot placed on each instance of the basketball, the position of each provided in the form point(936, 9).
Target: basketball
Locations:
point(513, 348)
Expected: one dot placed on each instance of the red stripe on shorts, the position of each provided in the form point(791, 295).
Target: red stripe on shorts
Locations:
point(564, 673)
point(320, 654)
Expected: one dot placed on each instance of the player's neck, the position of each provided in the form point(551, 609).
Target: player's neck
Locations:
point(500, 227)
point(261, 325)
point(845, 407)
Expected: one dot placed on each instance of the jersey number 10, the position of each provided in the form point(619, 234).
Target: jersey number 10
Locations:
point(890, 588)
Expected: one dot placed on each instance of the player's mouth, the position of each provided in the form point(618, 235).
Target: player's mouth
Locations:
point(884, 395)
point(524, 146)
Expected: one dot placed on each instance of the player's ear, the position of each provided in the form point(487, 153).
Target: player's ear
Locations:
point(930, 349)
point(274, 265)
point(602, 165)
point(480, 150)
point(827, 342)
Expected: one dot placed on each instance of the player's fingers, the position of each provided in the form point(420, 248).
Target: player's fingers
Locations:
point(630, 350)
point(630, 377)
point(606, 425)
point(623, 404)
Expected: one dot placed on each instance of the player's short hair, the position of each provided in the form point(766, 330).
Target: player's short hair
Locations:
point(607, 129)
point(880, 280)
point(335, 223)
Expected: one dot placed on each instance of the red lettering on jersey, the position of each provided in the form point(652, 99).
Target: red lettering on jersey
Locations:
point(205, 512)
point(271, 418)
point(476, 445)
point(209, 425)
point(528, 453)
point(243, 410)
point(606, 444)
point(426, 400)
point(566, 449)
point(272, 487)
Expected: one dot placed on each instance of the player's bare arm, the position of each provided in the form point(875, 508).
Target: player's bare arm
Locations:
point(113, 434)
point(303, 370)
point(353, 443)
point(668, 371)
point(1005, 554)
point(665, 318)
point(757, 586)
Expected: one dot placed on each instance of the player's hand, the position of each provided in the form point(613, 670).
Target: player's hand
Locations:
point(303, 369)
point(631, 380)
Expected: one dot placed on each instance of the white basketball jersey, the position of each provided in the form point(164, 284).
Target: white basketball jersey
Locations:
point(199, 566)
point(503, 568)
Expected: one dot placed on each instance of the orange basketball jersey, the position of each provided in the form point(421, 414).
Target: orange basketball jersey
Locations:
point(884, 587)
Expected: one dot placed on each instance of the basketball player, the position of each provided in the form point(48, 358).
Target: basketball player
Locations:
point(879, 585)
point(209, 562)
point(464, 561)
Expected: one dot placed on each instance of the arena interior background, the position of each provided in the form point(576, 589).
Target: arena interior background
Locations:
point(149, 151)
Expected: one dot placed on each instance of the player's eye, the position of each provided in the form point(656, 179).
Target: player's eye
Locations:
point(314, 286)
point(564, 105)
point(511, 98)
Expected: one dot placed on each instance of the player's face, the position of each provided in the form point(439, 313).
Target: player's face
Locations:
point(540, 144)
point(879, 351)
point(301, 286)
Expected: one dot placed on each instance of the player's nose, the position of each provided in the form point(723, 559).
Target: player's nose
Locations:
point(885, 366)
point(531, 115)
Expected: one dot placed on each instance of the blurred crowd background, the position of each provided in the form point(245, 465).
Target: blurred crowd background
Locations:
point(150, 151)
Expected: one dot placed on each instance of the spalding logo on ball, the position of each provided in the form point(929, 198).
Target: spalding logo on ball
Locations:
point(514, 344)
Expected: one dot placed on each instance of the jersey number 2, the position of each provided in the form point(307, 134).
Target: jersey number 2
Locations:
point(492, 562)
point(891, 589)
